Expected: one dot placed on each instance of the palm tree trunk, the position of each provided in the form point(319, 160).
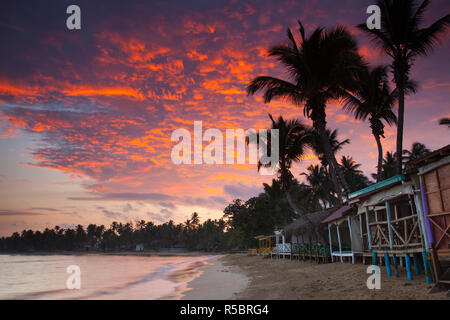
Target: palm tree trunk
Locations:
point(336, 184)
point(380, 158)
point(400, 121)
point(297, 212)
point(332, 161)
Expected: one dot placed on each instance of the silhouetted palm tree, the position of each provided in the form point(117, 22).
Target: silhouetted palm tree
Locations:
point(373, 99)
point(355, 177)
point(320, 66)
point(336, 146)
point(389, 165)
point(294, 138)
point(445, 122)
point(319, 183)
point(418, 150)
point(402, 38)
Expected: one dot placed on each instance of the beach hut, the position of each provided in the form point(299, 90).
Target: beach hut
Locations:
point(309, 242)
point(265, 244)
point(391, 224)
point(344, 233)
point(432, 181)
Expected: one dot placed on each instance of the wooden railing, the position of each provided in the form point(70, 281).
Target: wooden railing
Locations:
point(405, 233)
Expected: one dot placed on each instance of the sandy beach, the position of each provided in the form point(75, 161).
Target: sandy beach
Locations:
point(304, 280)
point(208, 280)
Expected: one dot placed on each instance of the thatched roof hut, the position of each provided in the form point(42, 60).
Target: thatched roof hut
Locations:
point(301, 226)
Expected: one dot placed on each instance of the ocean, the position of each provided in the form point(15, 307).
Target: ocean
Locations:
point(100, 276)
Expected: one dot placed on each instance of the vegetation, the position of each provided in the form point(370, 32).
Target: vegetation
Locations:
point(402, 38)
point(445, 122)
point(373, 99)
point(321, 66)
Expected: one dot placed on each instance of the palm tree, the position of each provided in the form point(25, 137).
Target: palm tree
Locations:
point(389, 165)
point(403, 40)
point(336, 146)
point(320, 66)
point(319, 183)
point(294, 138)
point(195, 219)
point(373, 99)
point(355, 177)
point(418, 150)
point(445, 122)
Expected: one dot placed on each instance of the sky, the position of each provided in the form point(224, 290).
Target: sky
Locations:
point(86, 116)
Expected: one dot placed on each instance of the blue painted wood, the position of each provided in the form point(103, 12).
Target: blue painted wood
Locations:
point(387, 264)
point(394, 262)
point(416, 264)
point(425, 268)
point(408, 267)
point(374, 258)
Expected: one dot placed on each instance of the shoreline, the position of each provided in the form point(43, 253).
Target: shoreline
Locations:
point(207, 280)
point(166, 253)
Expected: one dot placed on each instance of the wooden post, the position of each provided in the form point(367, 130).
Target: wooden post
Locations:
point(387, 264)
point(339, 240)
point(394, 262)
point(425, 268)
point(350, 230)
point(388, 216)
point(416, 264)
point(408, 267)
point(369, 237)
point(331, 245)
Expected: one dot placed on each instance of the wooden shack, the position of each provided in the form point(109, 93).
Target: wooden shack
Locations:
point(433, 172)
point(391, 224)
point(344, 233)
point(309, 237)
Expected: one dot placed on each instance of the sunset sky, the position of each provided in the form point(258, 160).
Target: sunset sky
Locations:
point(86, 116)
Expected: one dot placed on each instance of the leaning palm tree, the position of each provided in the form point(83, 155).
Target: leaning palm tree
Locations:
point(402, 38)
point(336, 145)
point(445, 122)
point(319, 66)
point(418, 150)
point(373, 99)
point(294, 138)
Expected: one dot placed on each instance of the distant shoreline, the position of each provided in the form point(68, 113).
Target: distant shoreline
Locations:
point(162, 253)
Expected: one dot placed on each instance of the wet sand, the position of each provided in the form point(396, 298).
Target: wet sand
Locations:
point(208, 280)
point(280, 279)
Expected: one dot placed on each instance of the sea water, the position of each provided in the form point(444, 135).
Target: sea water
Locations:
point(101, 276)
